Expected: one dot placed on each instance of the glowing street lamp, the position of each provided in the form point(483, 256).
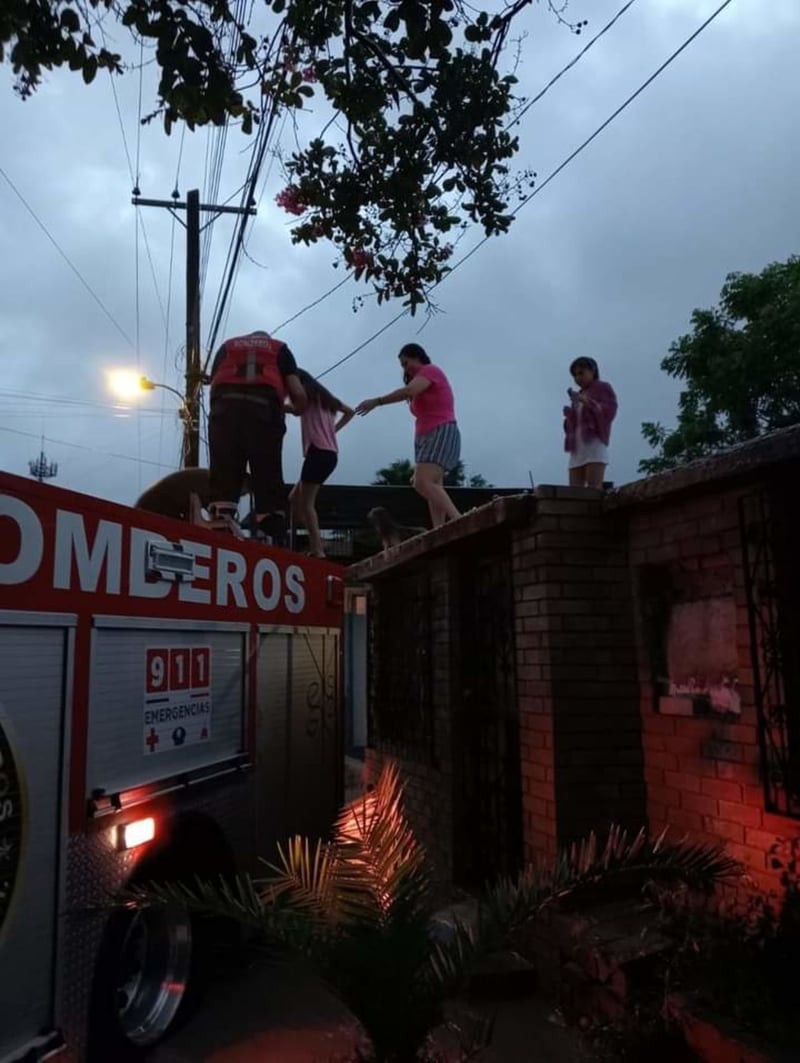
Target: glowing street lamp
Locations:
point(127, 384)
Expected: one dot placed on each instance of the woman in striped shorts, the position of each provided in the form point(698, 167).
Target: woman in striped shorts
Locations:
point(437, 441)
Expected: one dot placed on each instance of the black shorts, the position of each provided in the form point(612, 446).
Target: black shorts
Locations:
point(318, 466)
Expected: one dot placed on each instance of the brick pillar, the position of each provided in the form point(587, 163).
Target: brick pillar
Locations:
point(579, 695)
point(534, 697)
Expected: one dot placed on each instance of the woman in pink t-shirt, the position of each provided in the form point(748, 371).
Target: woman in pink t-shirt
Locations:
point(437, 441)
point(318, 426)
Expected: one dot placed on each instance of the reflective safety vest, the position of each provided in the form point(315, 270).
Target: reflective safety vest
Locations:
point(250, 361)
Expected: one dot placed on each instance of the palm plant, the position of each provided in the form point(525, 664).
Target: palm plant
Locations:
point(359, 907)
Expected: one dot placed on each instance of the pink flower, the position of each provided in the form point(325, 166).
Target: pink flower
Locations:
point(310, 73)
point(291, 200)
point(359, 259)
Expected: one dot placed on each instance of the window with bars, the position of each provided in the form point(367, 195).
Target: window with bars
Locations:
point(768, 519)
point(401, 651)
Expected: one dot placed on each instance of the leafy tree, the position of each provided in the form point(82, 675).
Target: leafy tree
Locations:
point(741, 365)
point(419, 97)
point(360, 908)
point(398, 473)
point(457, 477)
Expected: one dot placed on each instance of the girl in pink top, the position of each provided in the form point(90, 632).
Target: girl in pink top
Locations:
point(318, 426)
point(587, 424)
point(437, 441)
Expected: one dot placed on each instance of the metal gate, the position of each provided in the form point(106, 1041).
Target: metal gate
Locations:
point(488, 791)
point(299, 743)
point(772, 582)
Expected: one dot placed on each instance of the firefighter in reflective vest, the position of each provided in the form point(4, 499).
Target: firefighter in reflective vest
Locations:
point(250, 378)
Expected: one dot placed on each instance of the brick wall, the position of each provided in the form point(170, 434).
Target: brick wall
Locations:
point(581, 751)
point(702, 772)
point(598, 738)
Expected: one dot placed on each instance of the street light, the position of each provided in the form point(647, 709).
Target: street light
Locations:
point(127, 384)
point(151, 385)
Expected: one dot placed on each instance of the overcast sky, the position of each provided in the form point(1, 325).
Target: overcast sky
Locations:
point(699, 177)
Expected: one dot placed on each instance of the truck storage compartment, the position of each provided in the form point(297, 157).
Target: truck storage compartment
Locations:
point(34, 661)
point(166, 698)
point(299, 735)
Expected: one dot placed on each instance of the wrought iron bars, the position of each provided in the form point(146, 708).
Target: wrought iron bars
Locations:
point(772, 615)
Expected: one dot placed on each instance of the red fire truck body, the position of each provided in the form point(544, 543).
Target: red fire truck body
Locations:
point(169, 706)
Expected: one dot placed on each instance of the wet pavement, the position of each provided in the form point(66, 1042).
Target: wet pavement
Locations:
point(277, 1013)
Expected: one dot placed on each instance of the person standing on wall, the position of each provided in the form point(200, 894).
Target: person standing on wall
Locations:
point(318, 426)
point(437, 440)
point(251, 377)
point(587, 424)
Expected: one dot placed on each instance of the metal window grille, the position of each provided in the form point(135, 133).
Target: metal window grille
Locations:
point(402, 709)
point(771, 584)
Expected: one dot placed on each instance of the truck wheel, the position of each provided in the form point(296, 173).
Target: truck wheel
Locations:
point(155, 964)
point(142, 977)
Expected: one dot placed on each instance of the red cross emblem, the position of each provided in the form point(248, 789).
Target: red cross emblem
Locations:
point(152, 740)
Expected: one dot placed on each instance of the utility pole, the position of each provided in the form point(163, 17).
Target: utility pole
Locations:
point(191, 434)
point(194, 370)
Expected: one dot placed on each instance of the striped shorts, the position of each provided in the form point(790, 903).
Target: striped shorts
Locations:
point(441, 446)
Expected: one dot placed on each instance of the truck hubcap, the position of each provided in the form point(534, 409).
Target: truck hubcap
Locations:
point(154, 972)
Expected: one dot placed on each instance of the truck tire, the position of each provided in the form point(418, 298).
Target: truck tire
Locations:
point(154, 963)
point(142, 979)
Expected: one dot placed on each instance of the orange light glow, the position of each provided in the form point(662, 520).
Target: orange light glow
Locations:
point(137, 833)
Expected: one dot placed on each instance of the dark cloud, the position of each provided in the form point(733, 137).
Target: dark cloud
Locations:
point(696, 179)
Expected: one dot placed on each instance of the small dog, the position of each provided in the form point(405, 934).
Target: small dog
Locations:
point(391, 533)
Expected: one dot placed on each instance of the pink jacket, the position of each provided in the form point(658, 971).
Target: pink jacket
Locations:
point(598, 413)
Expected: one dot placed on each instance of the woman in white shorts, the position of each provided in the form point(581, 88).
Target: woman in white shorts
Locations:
point(587, 424)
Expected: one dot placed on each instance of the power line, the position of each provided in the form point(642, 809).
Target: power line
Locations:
point(361, 346)
point(74, 415)
point(550, 177)
point(139, 121)
point(119, 117)
point(268, 118)
point(543, 92)
point(213, 172)
point(67, 259)
point(570, 64)
point(237, 241)
point(623, 106)
point(311, 306)
point(81, 446)
point(136, 223)
point(15, 393)
point(135, 181)
point(180, 156)
point(169, 290)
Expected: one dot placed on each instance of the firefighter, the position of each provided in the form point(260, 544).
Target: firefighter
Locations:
point(250, 379)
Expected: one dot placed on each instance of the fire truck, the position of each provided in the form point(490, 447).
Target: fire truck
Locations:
point(169, 707)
